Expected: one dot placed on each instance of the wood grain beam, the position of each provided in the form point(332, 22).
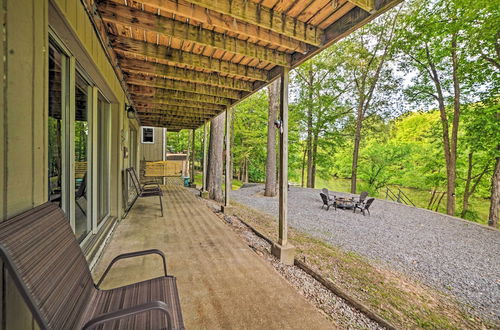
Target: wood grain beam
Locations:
point(174, 109)
point(367, 5)
point(141, 101)
point(256, 14)
point(165, 95)
point(145, 80)
point(177, 56)
point(129, 16)
point(173, 118)
point(172, 72)
point(218, 20)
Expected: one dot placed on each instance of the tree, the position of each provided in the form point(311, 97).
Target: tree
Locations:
point(319, 88)
point(274, 95)
point(365, 56)
point(215, 162)
point(432, 47)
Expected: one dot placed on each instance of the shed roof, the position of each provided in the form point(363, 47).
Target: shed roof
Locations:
point(182, 62)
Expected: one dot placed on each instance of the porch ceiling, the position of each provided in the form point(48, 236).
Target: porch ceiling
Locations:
point(184, 61)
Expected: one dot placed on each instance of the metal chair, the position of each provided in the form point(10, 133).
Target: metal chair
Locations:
point(364, 206)
point(327, 202)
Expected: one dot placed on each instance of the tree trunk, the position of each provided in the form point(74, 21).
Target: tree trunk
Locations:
point(215, 161)
point(314, 156)
point(465, 204)
point(245, 177)
point(274, 95)
point(452, 175)
point(495, 194)
point(357, 140)
point(310, 176)
point(309, 149)
point(303, 166)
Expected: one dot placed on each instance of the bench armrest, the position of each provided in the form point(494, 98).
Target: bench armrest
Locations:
point(131, 255)
point(127, 312)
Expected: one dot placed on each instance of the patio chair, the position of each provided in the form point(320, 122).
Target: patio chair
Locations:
point(49, 269)
point(145, 190)
point(326, 192)
point(362, 197)
point(364, 206)
point(81, 192)
point(148, 185)
point(327, 202)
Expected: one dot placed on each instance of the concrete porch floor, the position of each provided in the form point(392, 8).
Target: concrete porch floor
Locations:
point(222, 283)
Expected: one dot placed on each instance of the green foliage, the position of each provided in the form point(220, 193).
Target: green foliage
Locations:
point(402, 136)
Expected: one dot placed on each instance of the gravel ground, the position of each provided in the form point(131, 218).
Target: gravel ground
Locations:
point(456, 256)
point(336, 308)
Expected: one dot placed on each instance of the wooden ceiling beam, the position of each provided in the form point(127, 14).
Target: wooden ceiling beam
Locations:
point(181, 103)
point(172, 72)
point(173, 118)
point(145, 80)
point(256, 14)
point(367, 5)
point(165, 95)
point(177, 56)
point(174, 109)
point(129, 16)
point(218, 20)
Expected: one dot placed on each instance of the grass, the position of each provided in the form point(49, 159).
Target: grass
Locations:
point(400, 300)
point(198, 178)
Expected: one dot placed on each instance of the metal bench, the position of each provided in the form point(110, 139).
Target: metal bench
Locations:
point(49, 269)
point(147, 189)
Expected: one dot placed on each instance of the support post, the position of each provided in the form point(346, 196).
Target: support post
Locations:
point(283, 250)
point(204, 192)
point(227, 208)
point(193, 135)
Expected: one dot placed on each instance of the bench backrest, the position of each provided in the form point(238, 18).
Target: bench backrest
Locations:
point(324, 198)
point(135, 179)
point(47, 265)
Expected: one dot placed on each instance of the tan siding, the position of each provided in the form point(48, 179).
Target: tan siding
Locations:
point(153, 152)
point(24, 122)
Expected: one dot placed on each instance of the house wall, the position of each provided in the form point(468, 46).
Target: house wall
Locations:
point(153, 151)
point(24, 108)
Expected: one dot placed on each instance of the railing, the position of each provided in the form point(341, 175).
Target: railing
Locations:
point(399, 197)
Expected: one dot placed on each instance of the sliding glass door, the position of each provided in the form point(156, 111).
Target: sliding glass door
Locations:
point(82, 139)
point(103, 158)
point(58, 147)
point(79, 133)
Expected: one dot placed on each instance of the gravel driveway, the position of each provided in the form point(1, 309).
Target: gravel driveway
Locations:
point(457, 256)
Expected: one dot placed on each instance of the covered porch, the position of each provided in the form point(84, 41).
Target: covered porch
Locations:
point(223, 283)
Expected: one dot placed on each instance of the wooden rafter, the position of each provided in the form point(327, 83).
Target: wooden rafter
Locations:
point(175, 109)
point(256, 14)
point(163, 94)
point(177, 56)
point(145, 80)
point(115, 13)
point(172, 72)
point(140, 101)
point(218, 20)
point(367, 5)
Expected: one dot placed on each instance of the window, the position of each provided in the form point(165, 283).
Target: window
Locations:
point(58, 174)
point(103, 156)
point(83, 186)
point(148, 135)
point(79, 143)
